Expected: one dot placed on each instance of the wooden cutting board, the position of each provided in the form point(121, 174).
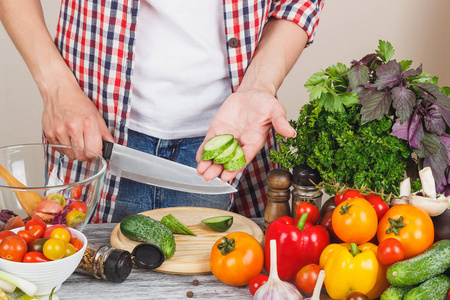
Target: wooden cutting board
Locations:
point(192, 252)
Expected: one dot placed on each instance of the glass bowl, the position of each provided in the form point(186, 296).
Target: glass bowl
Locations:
point(59, 191)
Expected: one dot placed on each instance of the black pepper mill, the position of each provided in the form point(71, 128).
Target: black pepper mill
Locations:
point(303, 180)
point(279, 182)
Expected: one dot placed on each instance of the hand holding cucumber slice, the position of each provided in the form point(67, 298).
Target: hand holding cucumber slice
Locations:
point(224, 149)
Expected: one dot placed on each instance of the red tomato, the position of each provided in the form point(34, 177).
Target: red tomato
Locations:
point(306, 278)
point(370, 196)
point(13, 248)
point(34, 222)
point(312, 211)
point(35, 257)
point(78, 205)
point(37, 231)
point(390, 251)
point(338, 198)
point(379, 205)
point(256, 282)
point(75, 193)
point(48, 231)
point(5, 233)
point(13, 222)
point(77, 243)
point(348, 194)
point(27, 235)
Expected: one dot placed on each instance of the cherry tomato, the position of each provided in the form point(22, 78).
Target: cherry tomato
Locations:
point(58, 198)
point(256, 282)
point(60, 234)
point(78, 205)
point(34, 257)
point(76, 192)
point(356, 296)
point(27, 235)
point(312, 211)
point(379, 205)
point(338, 198)
point(13, 248)
point(306, 278)
point(77, 243)
point(74, 218)
point(349, 194)
point(37, 231)
point(390, 251)
point(34, 222)
point(70, 249)
point(54, 249)
point(37, 245)
point(6, 233)
point(48, 231)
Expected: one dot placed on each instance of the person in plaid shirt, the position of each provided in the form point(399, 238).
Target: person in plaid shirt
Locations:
point(101, 65)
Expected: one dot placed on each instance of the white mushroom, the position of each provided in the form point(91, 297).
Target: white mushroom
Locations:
point(405, 192)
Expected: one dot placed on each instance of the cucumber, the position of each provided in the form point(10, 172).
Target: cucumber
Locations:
point(227, 154)
point(237, 162)
point(176, 226)
point(433, 261)
point(219, 223)
point(435, 288)
point(395, 292)
point(216, 145)
point(145, 229)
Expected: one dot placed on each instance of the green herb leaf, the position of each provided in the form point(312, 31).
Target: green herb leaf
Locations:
point(385, 50)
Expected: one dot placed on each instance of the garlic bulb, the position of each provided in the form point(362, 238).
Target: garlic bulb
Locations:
point(275, 288)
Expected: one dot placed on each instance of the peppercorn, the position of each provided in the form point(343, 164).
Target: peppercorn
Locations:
point(195, 282)
point(190, 294)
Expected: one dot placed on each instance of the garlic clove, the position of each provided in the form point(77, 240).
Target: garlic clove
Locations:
point(433, 207)
point(275, 288)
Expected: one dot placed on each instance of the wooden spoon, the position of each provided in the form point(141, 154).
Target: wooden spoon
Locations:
point(28, 200)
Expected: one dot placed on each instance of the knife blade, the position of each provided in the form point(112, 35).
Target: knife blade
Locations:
point(150, 169)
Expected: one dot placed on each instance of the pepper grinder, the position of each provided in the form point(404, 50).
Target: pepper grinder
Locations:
point(279, 182)
point(303, 180)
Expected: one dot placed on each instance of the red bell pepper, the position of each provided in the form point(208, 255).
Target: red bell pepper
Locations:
point(298, 244)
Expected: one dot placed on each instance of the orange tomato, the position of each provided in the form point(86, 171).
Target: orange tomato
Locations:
point(355, 221)
point(236, 258)
point(410, 225)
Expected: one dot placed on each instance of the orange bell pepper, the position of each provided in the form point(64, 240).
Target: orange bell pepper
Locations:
point(354, 270)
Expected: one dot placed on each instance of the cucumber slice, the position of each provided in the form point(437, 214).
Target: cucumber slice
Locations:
point(237, 162)
point(216, 145)
point(227, 154)
point(219, 223)
point(175, 225)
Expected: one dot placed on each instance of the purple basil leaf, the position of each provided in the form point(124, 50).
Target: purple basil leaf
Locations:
point(429, 145)
point(375, 106)
point(412, 72)
point(415, 130)
point(403, 101)
point(438, 164)
point(445, 140)
point(358, 75)
point(444, 111)
point(430, 90)
point(400, 130)
point(389, 75)
point(432, 118)
point(6, 214)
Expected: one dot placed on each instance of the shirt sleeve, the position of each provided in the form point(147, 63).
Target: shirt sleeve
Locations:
point(303, 12)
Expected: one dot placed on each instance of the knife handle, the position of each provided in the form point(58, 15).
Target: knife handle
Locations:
point(107, 149)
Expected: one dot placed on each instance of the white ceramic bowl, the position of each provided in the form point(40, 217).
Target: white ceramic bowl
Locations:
point(46, 275)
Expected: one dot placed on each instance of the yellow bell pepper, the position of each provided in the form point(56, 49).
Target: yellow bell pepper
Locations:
point(353, 270)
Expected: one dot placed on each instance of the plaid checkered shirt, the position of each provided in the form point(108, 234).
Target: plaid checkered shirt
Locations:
point(97, 41)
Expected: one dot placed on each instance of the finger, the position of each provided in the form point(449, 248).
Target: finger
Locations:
point(203, 166)
point(78, 150)
point(280, 122)
point(229, 175)
point(65, 140)
point(212, 172)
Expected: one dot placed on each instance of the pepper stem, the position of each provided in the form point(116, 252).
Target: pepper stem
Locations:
point(345, 208)
point(226, 246)
point(302, 221)
point(354, 249)
point(395, 225)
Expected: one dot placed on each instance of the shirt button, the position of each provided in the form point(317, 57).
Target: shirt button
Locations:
point(233, 42)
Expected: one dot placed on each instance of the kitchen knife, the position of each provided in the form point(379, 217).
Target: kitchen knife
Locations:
point(150, 169)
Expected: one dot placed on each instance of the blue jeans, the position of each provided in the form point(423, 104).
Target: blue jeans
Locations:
point(135, 197)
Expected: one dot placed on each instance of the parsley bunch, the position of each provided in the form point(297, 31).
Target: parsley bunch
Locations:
point(363, 124)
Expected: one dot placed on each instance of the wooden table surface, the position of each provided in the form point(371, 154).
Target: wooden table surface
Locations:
point(146, 284)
